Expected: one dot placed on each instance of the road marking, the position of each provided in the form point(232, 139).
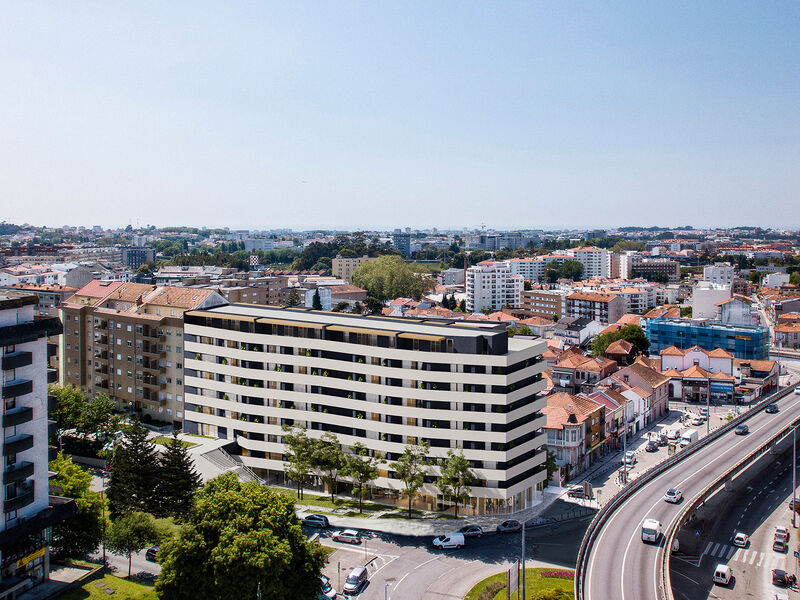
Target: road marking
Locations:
point(737, 554)
point(714, 551)
point(730, 553)
point(760, 559)
point(753, 558)
point(708, 547)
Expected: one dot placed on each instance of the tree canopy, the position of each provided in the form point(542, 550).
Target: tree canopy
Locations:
point(177, 480)
point(632, 333)
point(410, 469)
point(80, 534)
point(133, 483)
point(390, 277)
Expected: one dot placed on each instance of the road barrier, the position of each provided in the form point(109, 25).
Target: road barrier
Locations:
point(602, 516)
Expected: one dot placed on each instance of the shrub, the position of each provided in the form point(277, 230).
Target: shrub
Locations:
point(490, 591)
point(559, 574)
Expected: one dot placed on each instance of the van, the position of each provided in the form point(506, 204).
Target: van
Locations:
point(722, 574)
point(451, 540)
point(651, 531)
point(689, 436)
point(673, 435)
point(355, 581)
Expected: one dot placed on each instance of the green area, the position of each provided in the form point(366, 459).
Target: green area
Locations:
point(326, 502)
point(164, 440)
point(197, 435)
point(123, 590)
point(537, 586)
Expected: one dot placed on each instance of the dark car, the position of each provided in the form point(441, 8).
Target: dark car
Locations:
point(652, 446)
point(771, 408)
point(320, 521)
point(742, 430)
point(510, 526)
point(779, 577)
point(151, 554)
point(471, 531)
point(663, 440)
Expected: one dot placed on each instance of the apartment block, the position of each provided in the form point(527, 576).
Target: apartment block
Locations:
point(134, 257)
point(531, 269)
point(596, 261)
point(343, 268)
point(654, 268)
point(29, 512)
point(383, 382)
point(603, 308)
point(545, 303)
point(719, 273)
point(741, 341)
point(126, 340)
point(491, 285)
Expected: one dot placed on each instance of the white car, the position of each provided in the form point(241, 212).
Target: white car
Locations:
point(630, 458)
point(697, 421)
point(740, 540)
point(673, 496)
point(327, 593)
point(350, 536)
point(453, 540)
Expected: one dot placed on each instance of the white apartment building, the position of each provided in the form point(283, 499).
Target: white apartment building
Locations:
point(531, 269)
point(596, 261)
point(705, 298)
point(719, 273)
point(379, 381)
point(775, 279)
point(491, 285)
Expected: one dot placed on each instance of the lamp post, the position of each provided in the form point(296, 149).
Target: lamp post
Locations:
point(386, 586)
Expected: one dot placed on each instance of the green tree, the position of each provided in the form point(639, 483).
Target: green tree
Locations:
point(361, 468)
point(177, 480)
point(794, 278)
point(316, 302)
point(97, 417)
point(133, 481)
point(243, 540)
point(524, 330)
point(81, 533)
point(328, 458)
point(572, 269)
point(131, 533)
point(462, 307)
point(69, 406)
point(293, 298)
point(390, 277)
point(755, 277)
point(300, 455)
point(340, 307)
point(550, 464)
point(410, 469)
point(632, 333)
point(456, 475)
point(358, 308)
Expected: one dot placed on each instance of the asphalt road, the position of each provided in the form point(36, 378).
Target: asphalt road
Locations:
point(757, 512)
point(623, 567)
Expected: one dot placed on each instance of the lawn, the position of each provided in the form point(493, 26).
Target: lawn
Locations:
point(164, 440)
point(325, 502)
point(536, 581)
point(123, 590)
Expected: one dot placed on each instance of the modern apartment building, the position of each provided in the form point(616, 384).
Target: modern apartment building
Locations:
point(531, 269)
point(654, 268)
point(28, 510)
point(719, 273)
point(401, 241)
point(740, 340)
point(596, 261)
point(126, 340)
point(383, 382)
point(343, 268)
point(545, 303)
point(603, 308)
point(134, 257)
point(491, 285)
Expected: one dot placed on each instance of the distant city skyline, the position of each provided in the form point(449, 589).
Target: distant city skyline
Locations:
point(364, 115)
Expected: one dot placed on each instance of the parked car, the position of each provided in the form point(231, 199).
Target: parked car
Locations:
point(355, 581)
point(797, 390)
point(782, 533)
point(576, 491)
point(673, 496)
point(697, 421)
point(630, 458)
point(152, 554)
point(741, 430)
point(740, 539)
point(452, 540)
point(773, 408)
point(689, 436)
point(673, 435)
point(780, 577)
point(349, 536)
point(652, 446)
point(510, 526)
point(779, 545)
point(320, 521)
point(663, 440)
point(327, 593)
point(471, 531)
point(704, 412)
point(780, 541)
point(722, 575)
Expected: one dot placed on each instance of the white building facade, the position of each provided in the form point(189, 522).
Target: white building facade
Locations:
point(491, 285)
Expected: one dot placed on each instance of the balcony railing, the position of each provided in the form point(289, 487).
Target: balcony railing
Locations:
point(16, 360)
point(17, 387)
point(17, 416)
point(52, 376)
point(23, 496)
point(19, 471)
point(16, 444)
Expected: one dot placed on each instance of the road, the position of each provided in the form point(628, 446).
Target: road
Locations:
point(756, 513)
point(620, 565)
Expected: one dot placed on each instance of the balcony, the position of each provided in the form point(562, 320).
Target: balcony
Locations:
point(19, 471)
point(52, 403)
point(148, 395)
point(17, 443)
point(152, 351)
point(23, 496)
point(17, 416)
point(101, 369)
point(101, 340)
point(100, 354)
point(16, 360)
point(30, 331)
point(153, 384)
point(52, 376)
point(152, 334)
point(52, 350)
point(17, 387)
point(152, 367)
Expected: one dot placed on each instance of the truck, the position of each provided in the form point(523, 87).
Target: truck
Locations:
point(651, 531)
point(689, 436)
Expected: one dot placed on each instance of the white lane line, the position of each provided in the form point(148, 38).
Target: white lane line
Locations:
point(730, 553)
point(753, 558)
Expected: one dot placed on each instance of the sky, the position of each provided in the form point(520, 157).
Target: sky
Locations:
point(375, 115)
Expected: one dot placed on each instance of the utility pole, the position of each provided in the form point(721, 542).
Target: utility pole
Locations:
point(794, 472)
point(522, 594)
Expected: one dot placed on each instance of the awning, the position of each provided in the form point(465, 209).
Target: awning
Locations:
point(289, 323)
point(361, 330)
point(421, 336)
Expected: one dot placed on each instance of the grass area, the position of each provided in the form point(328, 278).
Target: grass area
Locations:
point(123, 590)
point(403, 514)
point(197, 435)
point(326, 502)
point(164, 440)
point(535, 583)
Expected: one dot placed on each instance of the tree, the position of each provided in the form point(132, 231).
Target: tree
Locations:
point(132, 485)
point(632, 333)
point(455, 478)
point(316, 302)
point(755, 277)
point(358, 309)
point(390, 277)
point(177, 480)
point(243, 540)
point(81, 533)
point(340, 307)
point(131, 533)
point(794, 278)
point(571, 269)
point(293, 299)
point(97, 417)
point(361, 468)
point(410, 469)
point(372, 306)
point(524, 330)
point(550, 464)
point(300, 455)
point(462, 307)
point(328, 457)
point(69, 406)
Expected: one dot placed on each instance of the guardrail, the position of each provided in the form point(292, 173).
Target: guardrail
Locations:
point(638, 483)
point(702, 495)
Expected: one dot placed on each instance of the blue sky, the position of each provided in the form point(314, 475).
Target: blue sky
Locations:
point(378, 114)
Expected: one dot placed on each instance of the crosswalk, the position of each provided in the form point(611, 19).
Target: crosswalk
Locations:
point(744, 556)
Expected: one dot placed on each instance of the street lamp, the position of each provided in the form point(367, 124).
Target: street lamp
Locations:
point(388, 583)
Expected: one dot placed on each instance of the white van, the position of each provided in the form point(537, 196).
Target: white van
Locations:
point(651, 530)
point(722, 574)
point(451, 540)
point(689, 436)
point(673, 435)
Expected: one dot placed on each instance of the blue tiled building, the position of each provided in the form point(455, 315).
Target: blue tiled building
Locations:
point(740, 340)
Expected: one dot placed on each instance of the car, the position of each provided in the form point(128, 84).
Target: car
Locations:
point(652, 446)
point(355, 581)
point(779, 545)
point(772, 408)
point(740, 540)
point(797, 390)
point(152, 554)
point(320, 521)
point(327, 593)
point(704, 412)
point(663, 440)
point(697, 421)
point(349, 536)
point(791, 504)
point(510, 526)
point(779, 577)
point(451, 540)
point(722, 574)
point(741, 430)
point(576, 491)
point(782, 533)
point(630, 458)
point(673, 435)
point(471, 531)
point(673, 496)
